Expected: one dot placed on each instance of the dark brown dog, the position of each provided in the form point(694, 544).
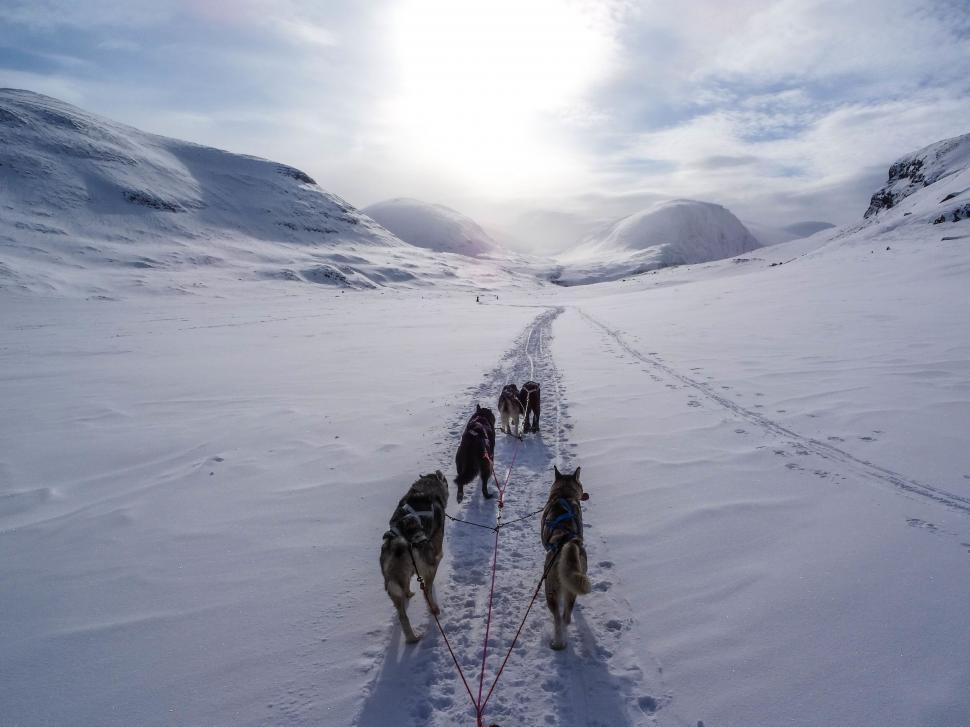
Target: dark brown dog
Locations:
point(476, 450)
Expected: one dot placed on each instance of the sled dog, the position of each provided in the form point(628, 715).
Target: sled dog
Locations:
point(562, 537)
point(475, 452)
point(510, 409)
point(418, 526)
point(529, 398)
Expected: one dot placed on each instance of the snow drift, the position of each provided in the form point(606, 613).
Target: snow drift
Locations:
point(677, 232)
point(432, 226)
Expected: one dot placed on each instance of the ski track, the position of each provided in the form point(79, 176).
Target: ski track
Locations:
point(800, 443)
point(597, 681)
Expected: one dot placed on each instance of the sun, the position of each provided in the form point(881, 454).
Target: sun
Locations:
point(482, 87)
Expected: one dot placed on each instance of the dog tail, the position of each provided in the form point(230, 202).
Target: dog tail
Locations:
point(571, 570)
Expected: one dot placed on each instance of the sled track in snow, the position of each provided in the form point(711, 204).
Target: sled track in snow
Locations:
point(596, 682)
point(822, 449)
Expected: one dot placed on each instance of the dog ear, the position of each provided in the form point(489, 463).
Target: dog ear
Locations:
point(555, 469)
point(576, 474)
point(478, 408)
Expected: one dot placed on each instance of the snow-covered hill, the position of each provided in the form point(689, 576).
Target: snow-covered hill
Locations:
point(93, 207)
point(432, 226)
point(677, 232)
point(943, 166)
point(770, 235)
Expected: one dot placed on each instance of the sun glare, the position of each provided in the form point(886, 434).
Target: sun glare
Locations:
point(482, 85)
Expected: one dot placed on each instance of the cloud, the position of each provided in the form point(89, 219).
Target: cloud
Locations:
point(781, 110)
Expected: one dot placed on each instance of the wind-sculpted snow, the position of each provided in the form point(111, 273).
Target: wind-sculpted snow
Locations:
point(94, 207)
point(678, 232)
point(432, 226)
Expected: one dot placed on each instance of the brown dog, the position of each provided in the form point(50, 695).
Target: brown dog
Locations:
point(415, 538)
point(562, 537)
point(510, 409)
point(529, 397)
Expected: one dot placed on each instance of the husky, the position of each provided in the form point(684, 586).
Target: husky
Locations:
point(417, 528)
point(529, 398)
point(510, 409)
point(476, 450)
point(562, 537)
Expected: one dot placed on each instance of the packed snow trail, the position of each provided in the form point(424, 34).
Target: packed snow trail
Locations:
point(826, 451)
point(597, 680)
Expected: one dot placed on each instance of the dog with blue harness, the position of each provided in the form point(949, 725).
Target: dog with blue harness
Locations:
point(562, 537)
point(413, 545)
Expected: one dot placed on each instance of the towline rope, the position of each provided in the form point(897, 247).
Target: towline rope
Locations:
point(427, 598)
point(493, 527)
point(479, 703)
point(491, 590)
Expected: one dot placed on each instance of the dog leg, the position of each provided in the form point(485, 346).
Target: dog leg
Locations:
point(558, 642)
point(396, 592)
point(429, 582)
point(567, 613)
point(485, 475)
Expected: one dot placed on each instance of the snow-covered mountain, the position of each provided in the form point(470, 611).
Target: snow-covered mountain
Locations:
point(90, 206)
point(432, 226)
point(937, 162)
point(676, 232)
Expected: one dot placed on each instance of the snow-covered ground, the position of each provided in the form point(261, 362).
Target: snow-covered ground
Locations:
point(194, 479)
point(194, 493)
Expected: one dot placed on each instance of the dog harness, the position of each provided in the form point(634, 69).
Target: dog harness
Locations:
point(414, 525)
point(566, 521)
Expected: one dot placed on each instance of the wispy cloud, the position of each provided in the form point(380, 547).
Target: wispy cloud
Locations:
point(782, 110)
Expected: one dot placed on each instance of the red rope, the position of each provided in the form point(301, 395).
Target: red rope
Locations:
point(491, 591)
point(488, 620)
point(535, 594)
point(478, 703)
point(444, 636)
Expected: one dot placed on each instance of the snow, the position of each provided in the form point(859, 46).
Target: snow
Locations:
point(95, 208)
point(914, 172)
point(432, 226)
point(193, 486)
point(771, 235)
point(676, 232)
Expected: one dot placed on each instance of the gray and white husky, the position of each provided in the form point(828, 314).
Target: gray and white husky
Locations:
point(510, 409)
point(562, 537)
point(415, 537)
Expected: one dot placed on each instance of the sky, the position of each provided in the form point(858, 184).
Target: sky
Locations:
point(539, 118)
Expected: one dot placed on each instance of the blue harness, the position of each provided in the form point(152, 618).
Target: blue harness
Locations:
point(549, 527)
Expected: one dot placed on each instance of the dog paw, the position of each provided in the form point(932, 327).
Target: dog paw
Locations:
point(557, 645)
point(412, 639)
point(410, 594)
